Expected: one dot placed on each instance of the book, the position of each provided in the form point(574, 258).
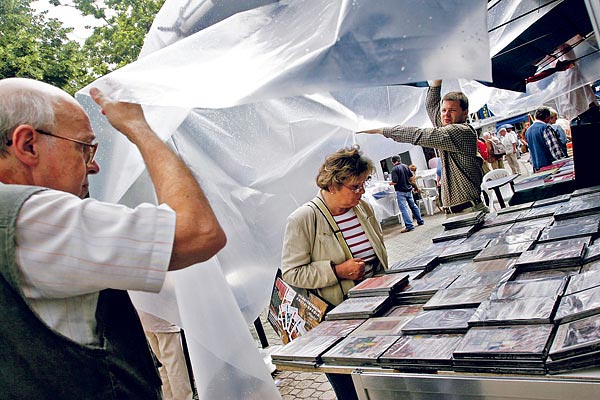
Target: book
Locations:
point(481, 278)
point(546, 273)
point(414, 263)
point(463, 250)
point(578, 305)
point(457, 233)
point(404, 311)
point(305, 349)
point(582, 281)
point(551, 255)
point(382, 326)
point(538, 212)
point(495, 219)
point(552, 200)
point(533, 288)
point(515, 208)
point(491, 265)
point(502, 251)
point(449, 268)
point(358, 350)
point(510, 342)
point(530, 310)
point(452, 320)
point(341, 327)
point(292, 314)
point(381, 285)
point(462, 297)
point(558, 232)
point(358, 307)
point(577, 337)
point(421, 352)
point(463, 220)
point(514, 235)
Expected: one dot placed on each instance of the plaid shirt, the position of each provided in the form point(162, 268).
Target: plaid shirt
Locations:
point(552, 141)
point(461, 163)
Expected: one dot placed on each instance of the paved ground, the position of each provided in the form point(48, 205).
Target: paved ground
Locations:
point(307, 385)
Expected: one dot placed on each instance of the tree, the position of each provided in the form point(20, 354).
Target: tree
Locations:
point(119, 41)
point(32, 46)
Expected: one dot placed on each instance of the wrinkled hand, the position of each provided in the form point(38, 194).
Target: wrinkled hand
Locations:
point(353, 269)
point(127, 118)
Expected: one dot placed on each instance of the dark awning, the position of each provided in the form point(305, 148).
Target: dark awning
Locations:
point(517, 61)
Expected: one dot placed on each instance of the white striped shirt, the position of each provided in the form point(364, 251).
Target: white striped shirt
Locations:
point(357, 240)
point(69, 249)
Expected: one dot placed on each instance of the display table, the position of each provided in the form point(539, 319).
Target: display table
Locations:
point(371, 385)
point(554, 181)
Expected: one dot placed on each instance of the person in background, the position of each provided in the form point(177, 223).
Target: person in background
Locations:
point(544, 146)
point(456, 139)
point(495, 161)
point(510, 147)
point(69, 329)
point(401, 179)
point(483, 152)
point(413, 181)
point(315, 258)
point(557, 130)
point(165, 340)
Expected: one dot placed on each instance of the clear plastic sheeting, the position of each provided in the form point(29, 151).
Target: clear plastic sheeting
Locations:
point(295, 47)
point(253, 103)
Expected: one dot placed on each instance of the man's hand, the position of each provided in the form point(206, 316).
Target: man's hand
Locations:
point(436, 83)
point(352, 269)
point(127, 118)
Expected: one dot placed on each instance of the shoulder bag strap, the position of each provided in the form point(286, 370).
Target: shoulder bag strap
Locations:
point(322, 207)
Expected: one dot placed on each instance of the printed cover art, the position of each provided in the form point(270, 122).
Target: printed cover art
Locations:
point(453, 320)
point(502, 251)
point(481, 278)
point(459, 297)
point(341, 327)
point(579, 305)
point(504, 341)
point(359, 305)
point(382, 326)
point(381, 282)
point(359, 349)
point(525, 289)
point(583, 281)
point(576, 337)
point(305, 348)
point(292, 314)
point(437, 347)
point(414, 263)
point(531, 310)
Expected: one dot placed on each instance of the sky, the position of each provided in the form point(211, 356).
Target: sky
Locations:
point(70, 17)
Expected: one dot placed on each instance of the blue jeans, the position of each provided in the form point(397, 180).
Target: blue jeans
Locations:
point(405, 200)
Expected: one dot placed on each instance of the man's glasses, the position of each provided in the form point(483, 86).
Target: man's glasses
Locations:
point(89, 149)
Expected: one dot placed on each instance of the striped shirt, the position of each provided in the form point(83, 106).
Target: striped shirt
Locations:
point(461, 162)
point(69, 249)
point(357, 240)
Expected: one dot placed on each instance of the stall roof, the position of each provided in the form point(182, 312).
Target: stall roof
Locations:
point(518, 60)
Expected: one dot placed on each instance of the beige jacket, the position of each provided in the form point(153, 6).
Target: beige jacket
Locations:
point(309, 247)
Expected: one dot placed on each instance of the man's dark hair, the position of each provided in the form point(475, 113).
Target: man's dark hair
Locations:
point(462, 99)
point(395, 159)
point(542, 113)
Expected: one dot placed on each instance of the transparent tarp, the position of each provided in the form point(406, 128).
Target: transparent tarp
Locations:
point(253, 95)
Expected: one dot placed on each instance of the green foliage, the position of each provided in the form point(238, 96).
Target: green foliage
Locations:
point(120, 40)
point(34, 46)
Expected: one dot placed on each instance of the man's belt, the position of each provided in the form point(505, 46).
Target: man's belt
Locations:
point(461, 207)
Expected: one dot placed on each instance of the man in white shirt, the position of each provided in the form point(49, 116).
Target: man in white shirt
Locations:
point(70, 330)
point(510, 146)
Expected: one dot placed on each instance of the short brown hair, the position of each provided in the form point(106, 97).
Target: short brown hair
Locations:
point(462, 99)
point(343, 165)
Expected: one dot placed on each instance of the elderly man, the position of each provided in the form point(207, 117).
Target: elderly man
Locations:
point(510, 147)
point(544, 145)
point(457, 140)
point(69, 330)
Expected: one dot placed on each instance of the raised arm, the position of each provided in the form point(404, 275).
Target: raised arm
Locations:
point(198, 234)
point(433, 102)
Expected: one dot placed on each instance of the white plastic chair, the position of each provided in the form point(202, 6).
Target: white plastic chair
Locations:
point(504, 190)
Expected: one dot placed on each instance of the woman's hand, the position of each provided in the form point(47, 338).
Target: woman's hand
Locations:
point(352, 269)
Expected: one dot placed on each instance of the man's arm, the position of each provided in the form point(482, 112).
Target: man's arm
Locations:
point(433, 102)
point(198, 234)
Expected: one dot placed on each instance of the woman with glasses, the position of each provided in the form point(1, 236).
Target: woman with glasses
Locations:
point(314, 257)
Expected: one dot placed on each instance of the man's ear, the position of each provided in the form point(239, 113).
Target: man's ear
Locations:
point(25, 143)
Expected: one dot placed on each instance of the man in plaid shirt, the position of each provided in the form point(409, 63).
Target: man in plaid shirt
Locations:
point(544, 145)
point(461, 163)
